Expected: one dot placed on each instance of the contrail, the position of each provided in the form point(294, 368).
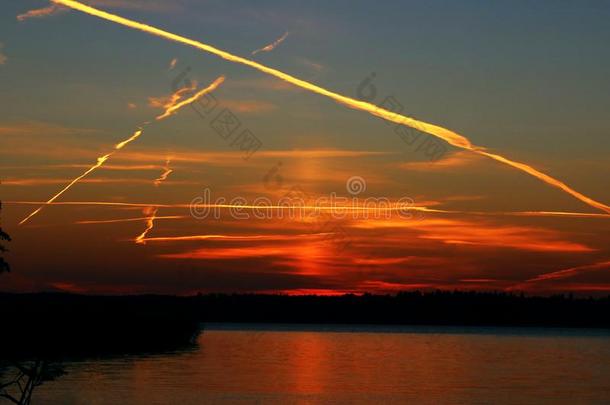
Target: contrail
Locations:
point(174, 107)
point(166, 102)
point(447, 135)
point(40, 12)
point(150, 223)
point(164, 175)
point(171, 109)
point(135, 136)
point(272, 45)
point(312, 208)
point(570, 272)
point(140, 219)
point(229, 237)
point(560, 274)
point(100, 162)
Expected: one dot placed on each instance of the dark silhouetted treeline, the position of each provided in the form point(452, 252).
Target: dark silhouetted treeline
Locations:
point(151, 322)
point(51, 325)
point(409, 308)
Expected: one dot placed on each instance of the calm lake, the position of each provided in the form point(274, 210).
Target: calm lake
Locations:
point(249, 364)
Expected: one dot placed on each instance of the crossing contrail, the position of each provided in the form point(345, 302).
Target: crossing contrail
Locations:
point(100, 163)
point(171, 108)
point(445, 134)
point(175, 106)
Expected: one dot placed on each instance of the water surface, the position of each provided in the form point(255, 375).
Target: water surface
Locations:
point(247, 364)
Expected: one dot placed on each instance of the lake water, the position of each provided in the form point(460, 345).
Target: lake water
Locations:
point(245, 364)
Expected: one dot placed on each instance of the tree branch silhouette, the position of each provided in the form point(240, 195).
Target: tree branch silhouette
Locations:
point(4, 267)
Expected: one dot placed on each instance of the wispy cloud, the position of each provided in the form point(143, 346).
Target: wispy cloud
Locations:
point(573, 271)
point(482, 234)
point(263, 83)
point(53, 181)
point(52, 9)
point(452, 161)
point(555, 280)
point(249, 106)
point(272, 45)
point(160, 6)
point(42, 128)
point(172, 64)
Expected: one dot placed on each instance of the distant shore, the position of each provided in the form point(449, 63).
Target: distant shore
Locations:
point(57, 324)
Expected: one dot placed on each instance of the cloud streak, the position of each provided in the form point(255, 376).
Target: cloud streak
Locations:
point(53, 9)
point(445, 134)
point(272, 45)
point(171, 109)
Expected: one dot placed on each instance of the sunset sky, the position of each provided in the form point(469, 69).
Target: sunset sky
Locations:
point(526, 80)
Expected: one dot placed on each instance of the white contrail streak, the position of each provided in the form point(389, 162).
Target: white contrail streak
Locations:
point(447, 135)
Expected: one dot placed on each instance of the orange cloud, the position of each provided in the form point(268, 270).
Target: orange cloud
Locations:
point(53, 9)
point(312, 65)
point(160, 6)
point(263, 83)
point(554, 281)
point(449, 136)
point(573, 271)
point(452, 161)
point(487, 235)
point(169, 101)
point(51, 181)
point(249, 106)
point(68, 287)
point(42, 128)
point(272, 45)
point(142, 5)
point(138, 219)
